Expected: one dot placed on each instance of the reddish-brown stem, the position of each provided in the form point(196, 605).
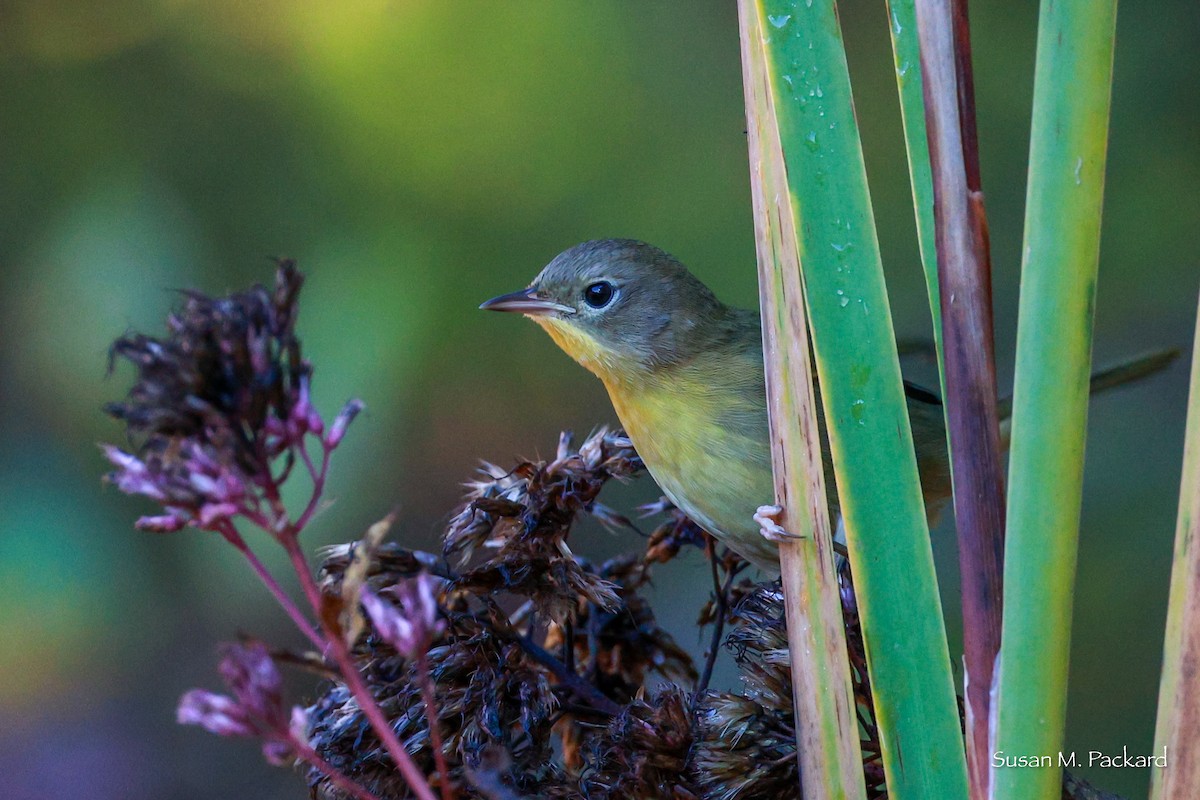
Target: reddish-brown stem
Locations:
point(964, 278)
point(435, 726)
point(306, 457)
point(341, 781)
point(312, 592)
point(350, 674)
point(966, 94)
point(231, 535)
point(333, 644)
point(318, 479)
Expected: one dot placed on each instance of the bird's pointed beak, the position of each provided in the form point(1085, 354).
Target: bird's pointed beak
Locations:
point(526, 302)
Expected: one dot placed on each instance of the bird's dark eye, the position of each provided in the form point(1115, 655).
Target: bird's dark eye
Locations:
point(599, 294)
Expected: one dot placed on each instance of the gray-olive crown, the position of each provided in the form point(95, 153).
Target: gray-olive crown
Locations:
point(634, 298)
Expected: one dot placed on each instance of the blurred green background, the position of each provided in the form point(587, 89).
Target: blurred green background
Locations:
point(418, 157)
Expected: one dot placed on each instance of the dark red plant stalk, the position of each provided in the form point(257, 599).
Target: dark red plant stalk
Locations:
point(964, 278)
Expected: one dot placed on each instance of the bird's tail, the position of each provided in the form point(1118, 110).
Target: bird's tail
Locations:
point(1133, 370)
point(1128, 372)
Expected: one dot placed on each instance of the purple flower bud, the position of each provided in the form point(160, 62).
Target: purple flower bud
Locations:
point(255, 681)
point(340, 423)
point(216, 713)
point(274, 427)
point(132, 475)
point(120, 459)
point(212, 513)
point(143, 484)
point(417, 597)
point(199, 460)
point(410, 625)
point(206, 486)
point(165, 523)
point(390, 623)
point(298, 725)
point(278, 752)
point(256, 708)
point(233, 485)
point(302, 409)
point(316, 425)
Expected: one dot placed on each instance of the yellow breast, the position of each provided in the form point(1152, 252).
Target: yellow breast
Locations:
point(701, 428)
point(707, 449)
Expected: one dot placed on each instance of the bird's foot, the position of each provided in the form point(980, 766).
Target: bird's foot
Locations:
point(767, 518)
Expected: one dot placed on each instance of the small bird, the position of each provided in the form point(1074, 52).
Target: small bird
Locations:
point(685, 375)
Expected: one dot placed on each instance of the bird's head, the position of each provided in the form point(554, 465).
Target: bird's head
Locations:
point(618, 307)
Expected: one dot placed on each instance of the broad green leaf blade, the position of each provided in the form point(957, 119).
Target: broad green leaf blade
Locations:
point(1064, 200)
point(827, 736)
point(863, 400)
point(1178, 728)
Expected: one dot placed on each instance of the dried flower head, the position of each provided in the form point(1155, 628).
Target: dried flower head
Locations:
point(624, 645)
point(746, 746)
point(229, 369)
point(580, 646)
point(746, 742)
point(217, 402)
point(676, 533)
point(644, 752)
point(489, 696)
point(522, 517)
